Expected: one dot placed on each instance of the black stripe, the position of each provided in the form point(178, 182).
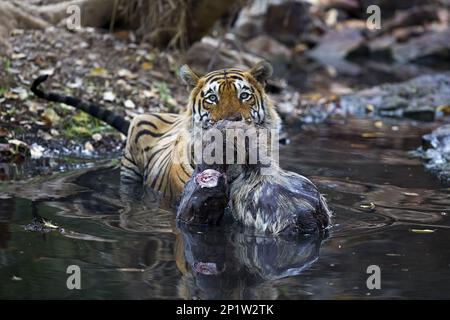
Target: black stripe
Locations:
point(131, 160)
point(165, 174)
point(163, 164)
point(179, 178)
point(131, 169)
point(198, 107)
point(226, 73)
point(213, 74)
point(161, 118)
point(184, 170)
point(128, 181)
point(151, 158)
point(169, 185)
point(216, 79)
point(147, 132)
point(146, 123)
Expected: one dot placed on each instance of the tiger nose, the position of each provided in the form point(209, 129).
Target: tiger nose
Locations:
point(234, 117)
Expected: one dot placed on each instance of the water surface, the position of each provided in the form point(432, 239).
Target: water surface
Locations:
point(129, 246)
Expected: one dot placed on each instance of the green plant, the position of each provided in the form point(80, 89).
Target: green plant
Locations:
point(7, 64)
point(83, 125)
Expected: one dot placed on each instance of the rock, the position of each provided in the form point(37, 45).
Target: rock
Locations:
point(15, 151)
point(37, 151)
point(381, 47)
point(414, 16)
point(250, 20)
point(389, 7)
point(435, 151)
point(419, 98)
point(208, 55)
point(13, 16)
point(97, 137)
point(347, 5)
point(406, 33)
point(337, 45)
point(109, 96)
point(268, 48)
point(129, 104)
point(399, 73)
point(289, 21)
point(430, 45)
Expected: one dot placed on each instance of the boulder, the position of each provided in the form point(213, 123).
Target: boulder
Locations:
point(209, 54)
point(381, 47)
point(432, 45)
point(420, 98)
point(337, 45)
point(269, 48)
point(288, 22)
point(389, 8)
point(435, 151)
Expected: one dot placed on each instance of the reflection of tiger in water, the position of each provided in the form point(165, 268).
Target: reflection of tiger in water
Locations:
point(156, 148)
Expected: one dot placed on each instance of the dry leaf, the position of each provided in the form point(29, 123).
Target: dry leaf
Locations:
point(124, 73)
point(99, 72)
point(97, 137)
point(130, 270)
point(445, 109)
point(370, 107)
point(371, 135)
point(422, 231)
point(88, 147)
point(412, 194)
point(49, 224)
point(370, 206)
point(18, 56)
point(50, 116)
point(146, 66)
point(47, 72)
point(11, 95)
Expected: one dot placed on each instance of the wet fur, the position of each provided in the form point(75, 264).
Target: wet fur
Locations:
point(276, 202)
point(282, 202)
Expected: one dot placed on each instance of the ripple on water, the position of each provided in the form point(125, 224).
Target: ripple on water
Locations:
point(145, 255)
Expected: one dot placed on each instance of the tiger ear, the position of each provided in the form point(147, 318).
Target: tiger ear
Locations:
point(261, 71)
point(188, 76)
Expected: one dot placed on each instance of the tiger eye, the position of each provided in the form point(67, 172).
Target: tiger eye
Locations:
point(212, 98)
point(244, 95)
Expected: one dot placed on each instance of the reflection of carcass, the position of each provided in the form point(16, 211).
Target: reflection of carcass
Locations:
point(218, 264)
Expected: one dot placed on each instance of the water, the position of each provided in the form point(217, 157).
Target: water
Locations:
point(131, 248)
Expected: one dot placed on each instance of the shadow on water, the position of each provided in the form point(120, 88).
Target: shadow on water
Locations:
point(128, 245)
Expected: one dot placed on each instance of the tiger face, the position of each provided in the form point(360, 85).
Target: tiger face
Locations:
point(229, 94)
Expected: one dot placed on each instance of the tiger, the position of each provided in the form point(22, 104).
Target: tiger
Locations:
point(156, 153)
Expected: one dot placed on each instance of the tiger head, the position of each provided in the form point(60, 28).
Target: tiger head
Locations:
point(230, 94)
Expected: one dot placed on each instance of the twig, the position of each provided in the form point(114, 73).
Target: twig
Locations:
point(113, 16)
